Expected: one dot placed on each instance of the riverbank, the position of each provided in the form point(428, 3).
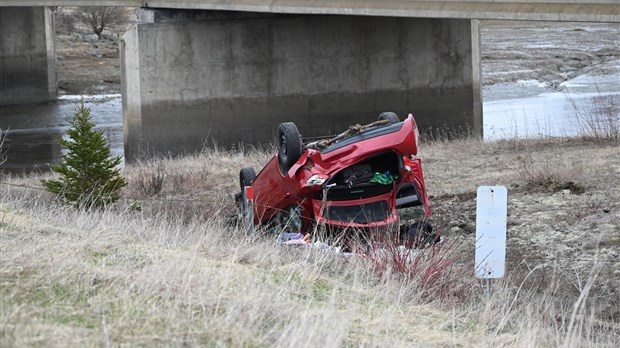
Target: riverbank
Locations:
point(551, 53)
point(166, 268)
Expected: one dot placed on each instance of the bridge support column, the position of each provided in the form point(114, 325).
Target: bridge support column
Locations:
point(196, 77)
point(27, 56)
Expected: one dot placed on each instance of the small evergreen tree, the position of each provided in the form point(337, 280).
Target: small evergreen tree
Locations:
point(89, 176)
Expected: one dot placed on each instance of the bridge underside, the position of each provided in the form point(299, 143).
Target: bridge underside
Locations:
point(531, 10)
point(196, 77)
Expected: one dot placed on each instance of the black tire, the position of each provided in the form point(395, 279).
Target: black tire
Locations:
point(390, 117)
point(246, 176)
point(289, 146)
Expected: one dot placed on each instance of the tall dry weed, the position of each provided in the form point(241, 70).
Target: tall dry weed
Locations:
point(546, 315)
point(150, 178)
point(3, 134)
point(598, 117)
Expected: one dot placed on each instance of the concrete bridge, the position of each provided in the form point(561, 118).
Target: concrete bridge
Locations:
point(230, 71)
point(548, 10)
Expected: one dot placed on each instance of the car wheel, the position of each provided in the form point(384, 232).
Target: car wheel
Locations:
point(289, 146)
point(390, 117)
point(246, 176)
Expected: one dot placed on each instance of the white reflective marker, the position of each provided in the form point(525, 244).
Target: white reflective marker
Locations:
point(491, 215)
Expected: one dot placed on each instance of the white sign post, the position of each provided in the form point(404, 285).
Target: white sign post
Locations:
point(491, 215)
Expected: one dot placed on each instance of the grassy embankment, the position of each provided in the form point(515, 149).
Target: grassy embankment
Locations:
point(165, 269)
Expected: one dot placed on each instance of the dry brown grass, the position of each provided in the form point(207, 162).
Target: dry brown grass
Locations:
point(599, 117)
point(116, 277)
point(163, 270)
point(2, 150)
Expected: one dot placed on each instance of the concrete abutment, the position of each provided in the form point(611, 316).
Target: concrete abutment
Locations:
point(27, 56)
point(196, 77)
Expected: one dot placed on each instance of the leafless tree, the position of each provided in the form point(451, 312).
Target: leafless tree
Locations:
point(65, 20)
point(98, 18)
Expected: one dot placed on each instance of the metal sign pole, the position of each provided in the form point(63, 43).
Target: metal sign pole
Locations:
point(249, 210)
point(488, 288)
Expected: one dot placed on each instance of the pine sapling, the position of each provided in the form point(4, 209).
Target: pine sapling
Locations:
point(89, 175)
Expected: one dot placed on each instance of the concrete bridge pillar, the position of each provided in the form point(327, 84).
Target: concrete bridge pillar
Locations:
point(196, 77)
point(27, 56)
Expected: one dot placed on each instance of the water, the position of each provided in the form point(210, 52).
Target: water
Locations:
point(31, 130)
point(528, 109)
point(548, 114)
point(524, 109)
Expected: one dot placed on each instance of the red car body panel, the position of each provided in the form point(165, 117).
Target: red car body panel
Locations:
point(416, 176)
point(274, 192)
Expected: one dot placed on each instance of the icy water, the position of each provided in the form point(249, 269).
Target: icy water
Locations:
point(528, 108)
point(524, 109)
point(32, 130)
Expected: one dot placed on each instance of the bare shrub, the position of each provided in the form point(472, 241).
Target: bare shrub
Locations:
point(99, 18)
point(179, 181)
point(589, 208)
point(546, 176)
point(65, 21)
point(434, 271)
point(150, 180)
point(599, 117)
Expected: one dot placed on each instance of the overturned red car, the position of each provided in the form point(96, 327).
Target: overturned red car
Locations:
point(360, 179)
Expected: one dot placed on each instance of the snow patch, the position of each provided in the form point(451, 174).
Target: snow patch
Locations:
point(99, 97)
point(532, 82)
point(572, 85)
point(542, 46)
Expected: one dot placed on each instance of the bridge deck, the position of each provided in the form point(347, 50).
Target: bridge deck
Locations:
point(549, 10)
